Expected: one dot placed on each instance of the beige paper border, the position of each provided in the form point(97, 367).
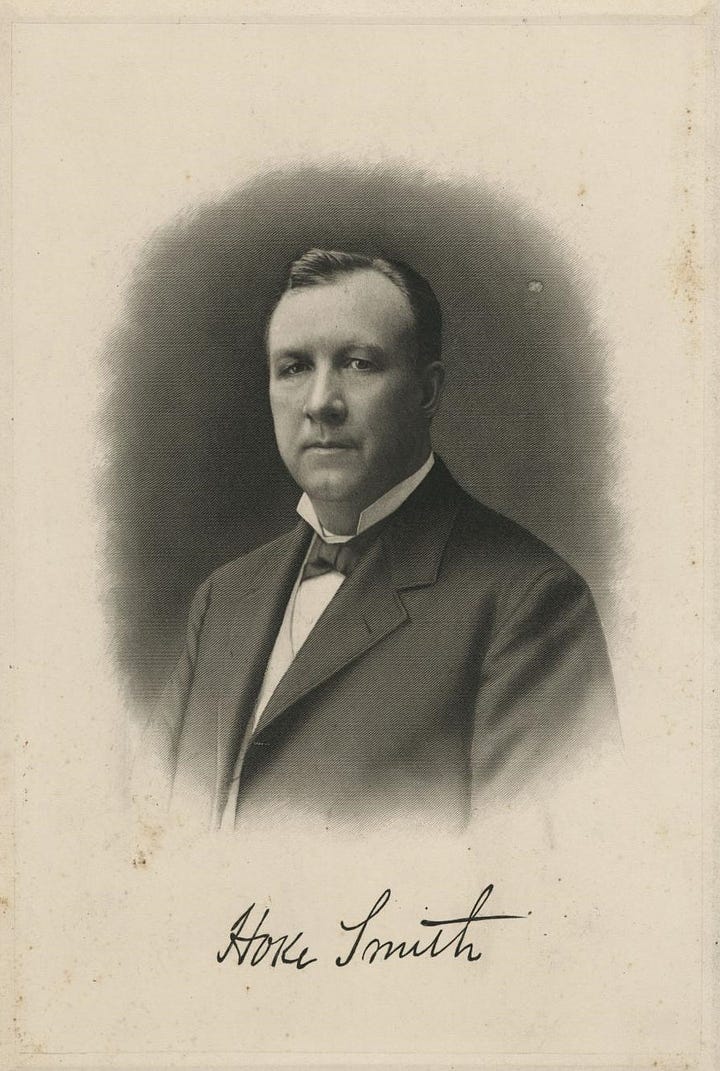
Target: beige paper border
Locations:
point(458, 14)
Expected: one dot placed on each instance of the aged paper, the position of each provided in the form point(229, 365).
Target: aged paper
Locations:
point(593, 127)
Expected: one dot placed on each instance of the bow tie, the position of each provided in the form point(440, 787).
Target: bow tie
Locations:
point(336, 557)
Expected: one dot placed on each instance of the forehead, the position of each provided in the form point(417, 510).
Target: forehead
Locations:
point(363, 307)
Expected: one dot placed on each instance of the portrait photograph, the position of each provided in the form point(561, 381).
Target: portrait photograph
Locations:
point(466, 665)
point(362, 493)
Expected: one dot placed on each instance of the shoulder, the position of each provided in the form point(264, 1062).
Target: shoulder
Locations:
point(527, 587)
point(503, 553)
point(239, 572)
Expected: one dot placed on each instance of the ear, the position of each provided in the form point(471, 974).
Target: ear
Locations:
point(432, 378)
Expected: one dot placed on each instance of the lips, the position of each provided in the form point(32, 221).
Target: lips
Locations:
point(329, 445)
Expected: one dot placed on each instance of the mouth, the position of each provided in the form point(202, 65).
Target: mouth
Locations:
point(329, 446)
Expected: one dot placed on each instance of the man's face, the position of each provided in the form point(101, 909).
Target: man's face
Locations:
point(350, 406)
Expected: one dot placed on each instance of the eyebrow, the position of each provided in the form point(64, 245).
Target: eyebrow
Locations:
point(283, 355)
point(366, 347)
point(293, 354)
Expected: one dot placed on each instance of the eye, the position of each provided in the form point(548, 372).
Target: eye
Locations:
point(292, 369)
point(360, 364)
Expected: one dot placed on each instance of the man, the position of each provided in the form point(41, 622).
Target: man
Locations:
point(403, 650)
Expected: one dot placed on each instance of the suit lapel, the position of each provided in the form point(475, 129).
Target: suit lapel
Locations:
point(258, 613)
point(367, 608)
point(364, 611)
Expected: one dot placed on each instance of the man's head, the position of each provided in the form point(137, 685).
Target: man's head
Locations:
point(355, 378)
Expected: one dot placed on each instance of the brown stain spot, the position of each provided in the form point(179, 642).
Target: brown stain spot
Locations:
point(686, 275)
point(149, 837)
point(582, 190)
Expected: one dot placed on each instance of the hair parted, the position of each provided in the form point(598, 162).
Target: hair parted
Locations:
point(322, 266)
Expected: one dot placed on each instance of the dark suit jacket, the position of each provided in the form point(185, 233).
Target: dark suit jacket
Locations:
point(462, 662)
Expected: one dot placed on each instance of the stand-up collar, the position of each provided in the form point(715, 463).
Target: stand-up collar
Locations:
point(372, 514)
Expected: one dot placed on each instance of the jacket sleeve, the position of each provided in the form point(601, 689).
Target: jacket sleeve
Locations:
point(154, 765)
point(546, 691)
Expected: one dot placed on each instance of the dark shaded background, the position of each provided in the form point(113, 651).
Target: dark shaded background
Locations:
point(193, 477)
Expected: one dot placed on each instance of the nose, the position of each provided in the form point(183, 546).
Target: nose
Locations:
point(325, 402)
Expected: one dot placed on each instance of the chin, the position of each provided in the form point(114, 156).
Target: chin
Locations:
point(328, 484)
point(327, 488)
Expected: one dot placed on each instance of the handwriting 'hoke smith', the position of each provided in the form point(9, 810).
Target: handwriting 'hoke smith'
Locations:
point(450, 937)
point(403, 650)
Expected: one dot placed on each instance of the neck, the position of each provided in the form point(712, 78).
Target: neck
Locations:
point(342, 518)
point(339, 518)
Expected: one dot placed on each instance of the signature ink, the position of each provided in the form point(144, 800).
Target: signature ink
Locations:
point(450, 936)
point(256, 946)
point(367, 948)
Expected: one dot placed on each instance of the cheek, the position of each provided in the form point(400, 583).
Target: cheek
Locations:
point(284, 412)
point(389, 413)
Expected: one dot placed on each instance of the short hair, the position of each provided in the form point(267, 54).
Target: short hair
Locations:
point(322, 266)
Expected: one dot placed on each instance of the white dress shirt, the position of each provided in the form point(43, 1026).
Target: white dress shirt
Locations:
point(308, 601)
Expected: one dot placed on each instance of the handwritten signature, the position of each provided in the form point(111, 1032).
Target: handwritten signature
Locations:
point(450, 936)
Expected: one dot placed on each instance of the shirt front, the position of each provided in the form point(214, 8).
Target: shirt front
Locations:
point(308, 601)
